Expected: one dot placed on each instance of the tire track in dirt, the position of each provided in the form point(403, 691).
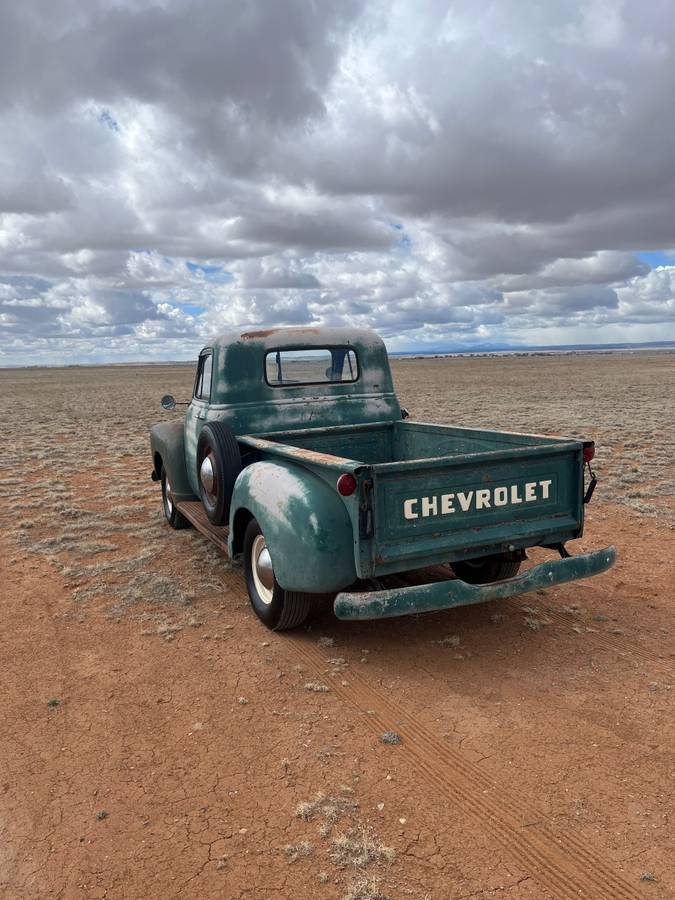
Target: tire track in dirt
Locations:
point(562, 863)
point(610, 642)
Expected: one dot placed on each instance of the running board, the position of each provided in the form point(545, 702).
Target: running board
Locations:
point(194, 513)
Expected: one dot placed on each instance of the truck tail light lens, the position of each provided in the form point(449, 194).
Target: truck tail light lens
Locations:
point(589, 452)
point(346, 484)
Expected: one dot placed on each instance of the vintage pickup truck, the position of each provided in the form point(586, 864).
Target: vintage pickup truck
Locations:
point(295, 453)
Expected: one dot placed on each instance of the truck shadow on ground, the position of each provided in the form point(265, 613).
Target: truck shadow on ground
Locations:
point(484, 640)
point(532, 661)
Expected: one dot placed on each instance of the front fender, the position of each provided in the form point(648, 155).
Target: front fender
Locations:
point(305, 523)
point(167, 443)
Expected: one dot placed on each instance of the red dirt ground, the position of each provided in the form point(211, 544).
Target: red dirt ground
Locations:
point(537, 756)
point(159, 743)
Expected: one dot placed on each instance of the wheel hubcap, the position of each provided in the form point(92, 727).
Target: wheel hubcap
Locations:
point(168, 497)
point(207, 475)
point(263, 574)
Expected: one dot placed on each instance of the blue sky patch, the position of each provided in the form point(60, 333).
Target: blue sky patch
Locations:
point(213, 273)
point(404, 243)
point(192, 309)
point(655, 258)
point(106, 119)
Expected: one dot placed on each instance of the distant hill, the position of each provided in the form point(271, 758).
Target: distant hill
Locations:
point(474, 350)
point(534, 348)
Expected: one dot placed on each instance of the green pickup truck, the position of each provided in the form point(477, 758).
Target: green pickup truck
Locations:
point(296, 454)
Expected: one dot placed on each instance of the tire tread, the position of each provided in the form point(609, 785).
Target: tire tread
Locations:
point(508, 569)
point(494, 568)
point(297, 607)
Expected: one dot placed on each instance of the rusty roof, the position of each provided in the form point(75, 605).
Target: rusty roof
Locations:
point(304, 336)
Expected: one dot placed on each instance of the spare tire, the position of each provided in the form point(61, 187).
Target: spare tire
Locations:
point(486, 569)
point(218, 465)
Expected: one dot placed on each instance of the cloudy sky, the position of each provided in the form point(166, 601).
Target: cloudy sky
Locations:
point(451, 173)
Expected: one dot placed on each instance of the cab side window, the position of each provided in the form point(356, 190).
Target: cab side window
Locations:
point(203, 379)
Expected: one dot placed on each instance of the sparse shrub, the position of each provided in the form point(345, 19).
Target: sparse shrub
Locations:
point(316, 687)
point(309, 808)
point(359, 847)
point(293, 852)
point(366, 887)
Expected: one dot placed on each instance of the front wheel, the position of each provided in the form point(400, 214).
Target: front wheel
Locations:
point(173, 517)
point(486, 569)
point(277, 608)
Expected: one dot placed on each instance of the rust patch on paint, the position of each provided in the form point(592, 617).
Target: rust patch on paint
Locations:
point(254, 335)
point(291, 452)
point(259, 335)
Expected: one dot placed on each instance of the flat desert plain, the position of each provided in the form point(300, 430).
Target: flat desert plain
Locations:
point(158, 742)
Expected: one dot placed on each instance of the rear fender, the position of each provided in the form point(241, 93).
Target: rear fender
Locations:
point(305, 523)
point(167, 445)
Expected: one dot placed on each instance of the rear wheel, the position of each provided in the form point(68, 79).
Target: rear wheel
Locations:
point(276, 607)
point(486, 569)
point(173, 517)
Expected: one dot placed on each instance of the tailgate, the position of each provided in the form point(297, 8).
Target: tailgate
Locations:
point(443, 509)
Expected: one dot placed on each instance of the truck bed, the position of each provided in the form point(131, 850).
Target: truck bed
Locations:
point(391, 442)
point(405, 441)
point(442, 493)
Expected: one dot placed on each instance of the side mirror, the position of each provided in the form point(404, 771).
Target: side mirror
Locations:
point(168, 401)
point(404, 413)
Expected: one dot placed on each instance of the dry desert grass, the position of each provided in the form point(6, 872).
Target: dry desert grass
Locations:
point(74, 479)
point(76, 500)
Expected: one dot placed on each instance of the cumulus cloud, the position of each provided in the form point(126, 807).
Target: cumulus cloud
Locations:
point(169, 171)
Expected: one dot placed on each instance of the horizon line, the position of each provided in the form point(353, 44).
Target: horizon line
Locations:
point(476, 350)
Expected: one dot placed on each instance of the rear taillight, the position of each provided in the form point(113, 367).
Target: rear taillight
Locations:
point(346, 484)
point(589, 451)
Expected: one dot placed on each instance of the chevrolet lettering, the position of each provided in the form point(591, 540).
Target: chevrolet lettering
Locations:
point(484, 498)
point(295, 455)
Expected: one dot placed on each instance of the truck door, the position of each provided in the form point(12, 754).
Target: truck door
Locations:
point(196, 414)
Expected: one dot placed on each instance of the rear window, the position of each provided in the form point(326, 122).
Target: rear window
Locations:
point(324, 365)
